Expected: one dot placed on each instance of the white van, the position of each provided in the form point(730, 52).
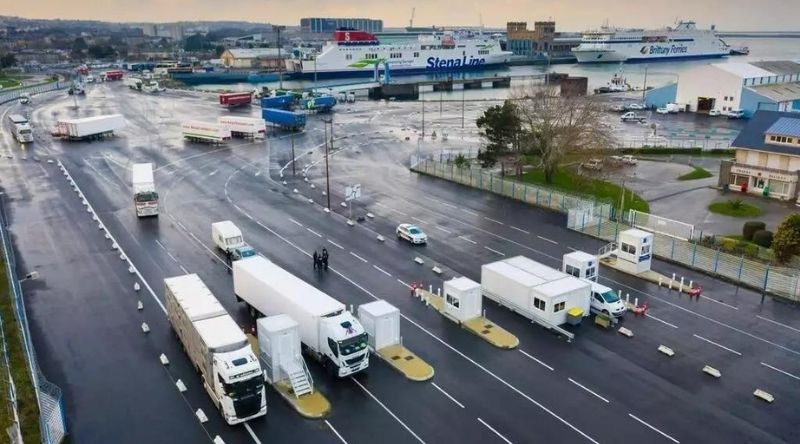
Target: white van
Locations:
point(226, 236)
point(606, 300)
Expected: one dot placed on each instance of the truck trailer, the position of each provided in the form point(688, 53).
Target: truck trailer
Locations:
point(21, 128)
point(320, 104)
point(208, 132)
point(219, 351)
point(112, 75)
point(234, 99)
point(89, 128)
point(145, 197)
point(277, 102)
point(291, 120)
point(329, 333)
point(246, 127)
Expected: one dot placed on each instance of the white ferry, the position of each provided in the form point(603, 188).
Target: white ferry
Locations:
point(354, 53)
point(684, 41)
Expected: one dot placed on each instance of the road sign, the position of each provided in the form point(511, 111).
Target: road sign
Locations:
point(352, 192)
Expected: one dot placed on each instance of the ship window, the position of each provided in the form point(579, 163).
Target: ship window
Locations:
point(348, 56)
point(416, 54)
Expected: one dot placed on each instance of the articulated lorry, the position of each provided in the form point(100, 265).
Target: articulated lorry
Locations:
point(277, 102)
point(89, 128)
point(21, 128)
point(145, 197)
point(219, 351)
point(291, 120)
point(320, 104)
point(246, 127)
point(228, 238)
point(329, 333)
point(208, 132)
point(234, 99)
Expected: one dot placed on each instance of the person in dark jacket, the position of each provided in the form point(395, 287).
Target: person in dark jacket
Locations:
point(325, 258)
point(316, 259)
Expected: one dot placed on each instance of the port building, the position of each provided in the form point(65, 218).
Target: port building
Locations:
point(265, 58)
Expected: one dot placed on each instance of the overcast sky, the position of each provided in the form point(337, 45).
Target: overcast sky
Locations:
point(570, 15)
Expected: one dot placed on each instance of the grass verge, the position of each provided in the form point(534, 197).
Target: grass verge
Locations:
point(582, 185)
point(10, 81)
point(735, 208)
point(698, 173)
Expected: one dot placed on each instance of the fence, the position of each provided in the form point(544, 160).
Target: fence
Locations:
point(51, 407)
point(764, 277)
point(32, 89)
point(704, 142)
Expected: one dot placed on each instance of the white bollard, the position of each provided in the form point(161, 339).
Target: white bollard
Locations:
point(430, 288)
point(636, 302)
point(691, 285)
point(659, 280)
point(131, 270)
point(136, 286)
point(439, 292)
point(163, 359)
point(145, 327)
point(139, 306)
point(680, 289)
point(627, 298)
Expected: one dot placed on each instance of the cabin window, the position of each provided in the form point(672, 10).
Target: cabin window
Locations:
point(628, 248)
point(334, 347)
point(416, 54)
point(348, 56)
point(452, 301)
point(559, 306)
point(573, 270)
point(540, 304)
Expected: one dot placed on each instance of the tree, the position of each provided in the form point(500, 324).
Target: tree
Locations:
point(196, 42)
point(100, 51)
point(786, 242)
point(218, 50)
point(500, 126)
point(8, 60)
point(79, 44)
point(461, 162)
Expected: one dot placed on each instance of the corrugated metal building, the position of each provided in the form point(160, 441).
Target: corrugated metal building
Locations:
point(253, 57)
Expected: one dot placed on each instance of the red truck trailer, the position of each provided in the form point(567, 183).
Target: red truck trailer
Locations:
point(112, 75)
point(233, 99)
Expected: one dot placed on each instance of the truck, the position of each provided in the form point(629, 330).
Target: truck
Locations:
point(246, 127)
point(329, 333)
point(277, 102)
point(320, 103)
point(291, 120)
point(208, 132)
point(134, 83)
point(631, 116)
point(24, 98)
point(228, 238)
point(145, 197)
point(218, 349)
point(89, 128)
point(152, 87)
point(112, 75)
point(21, 128)
point(234, 99)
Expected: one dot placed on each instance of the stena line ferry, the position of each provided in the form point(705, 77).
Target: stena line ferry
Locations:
point(354, 53)
point(684, 41)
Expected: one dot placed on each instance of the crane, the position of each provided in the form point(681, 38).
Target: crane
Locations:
point(411, 21)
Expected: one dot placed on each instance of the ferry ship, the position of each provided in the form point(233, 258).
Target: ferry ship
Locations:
point(355, 53)
point(684, 41)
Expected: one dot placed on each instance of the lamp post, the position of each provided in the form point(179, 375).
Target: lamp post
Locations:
point(278, 29)
point(327, 170)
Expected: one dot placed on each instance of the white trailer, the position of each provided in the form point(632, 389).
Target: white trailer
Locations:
point(330, 334)
point(94, 127)
point(145, 197)
point(247, 127)
point(134, 83)
point(219, 351)
point(208, 132)
point(21, 128)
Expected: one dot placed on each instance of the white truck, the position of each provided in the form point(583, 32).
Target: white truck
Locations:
point(208, 132)
point(91, 128)
point(329, 333)
point(153, 87)
point(145, 197)
point(246, 127)
point(228, 238)
point(134, 83)
point(219, 351)
point(631, 116)
point(21, 128)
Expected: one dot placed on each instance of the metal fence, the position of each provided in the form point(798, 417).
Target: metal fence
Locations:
point(51, 407)
point(706, 143)
point(779, 281)
point(32, 89)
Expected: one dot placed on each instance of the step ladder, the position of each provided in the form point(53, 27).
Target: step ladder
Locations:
point(300, 378)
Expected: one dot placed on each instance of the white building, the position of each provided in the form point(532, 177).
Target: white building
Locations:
point(253, 57)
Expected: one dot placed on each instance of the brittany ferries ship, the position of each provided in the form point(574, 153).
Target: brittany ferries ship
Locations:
point(354, 53)
point(628, 45)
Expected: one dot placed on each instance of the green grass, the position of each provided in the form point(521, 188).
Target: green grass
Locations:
point(602, 190)
point(735, 208)
point(10, 81)
point(27, 406)
point(698, 173)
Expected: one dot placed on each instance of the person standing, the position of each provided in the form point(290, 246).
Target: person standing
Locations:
point(325, 258)
point(316, 259)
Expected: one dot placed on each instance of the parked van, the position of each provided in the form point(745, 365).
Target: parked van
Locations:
point(607, 301)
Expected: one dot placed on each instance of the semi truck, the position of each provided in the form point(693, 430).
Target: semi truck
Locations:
point(134, 83)
point(208, 132)
point(228, 238)
point(246, 127)
point(277, 102)
point(89, 128)
point(21, 128)
point(112, 75)
point(153, 87)
point(145, 197)
point(329, 333)
point(320, 104)
point(217, 347)
point(234, 99)
point(291, 120)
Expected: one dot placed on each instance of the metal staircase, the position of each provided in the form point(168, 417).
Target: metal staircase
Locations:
point(300, 378)
point(607, 250)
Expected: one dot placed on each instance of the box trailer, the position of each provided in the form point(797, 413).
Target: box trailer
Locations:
point(207, 132)
point(277, 102)
point(234, 99)
point(112, 75)
point(246, 127)
point(330, 334)
point(217, 348)
point(290, 120)
point(89, 128)
point(320, 103)
point(145, 197)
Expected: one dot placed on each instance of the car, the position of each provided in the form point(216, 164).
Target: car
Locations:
point(411, 233)
point(593, 164)
point(636, 106)
point(662, 110)
point(606, 301)
point(629, 160)
point(733, 113)
point(714, 113)
point(621, 108)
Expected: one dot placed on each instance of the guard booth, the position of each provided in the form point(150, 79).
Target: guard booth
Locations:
point(279, 343)
point(580, 264)
point(462, 299)
point(635, 251)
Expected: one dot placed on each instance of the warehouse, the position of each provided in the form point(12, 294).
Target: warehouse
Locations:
point(753, 86)
point(252, 58)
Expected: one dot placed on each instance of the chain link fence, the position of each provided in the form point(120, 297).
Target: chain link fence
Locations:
point(32, 90)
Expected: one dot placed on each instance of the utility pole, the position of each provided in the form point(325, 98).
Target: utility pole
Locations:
point(644, 88)
point(327, 170)
point(278, 29)
point(462, 109)
point(422, 99)
point(293, 157)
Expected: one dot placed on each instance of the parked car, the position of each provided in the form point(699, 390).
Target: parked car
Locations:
point(662, 110)
point(621, 108)
point(592, 164)
point(733, 113)
point(714, 113)
point(411, 233)
point(631, 116)
point(630, 160)
point(24, 98)
point(636, 106)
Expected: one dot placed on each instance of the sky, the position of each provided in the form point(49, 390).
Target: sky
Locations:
point(570, 15)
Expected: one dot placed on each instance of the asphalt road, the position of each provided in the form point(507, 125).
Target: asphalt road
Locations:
point(603, 387)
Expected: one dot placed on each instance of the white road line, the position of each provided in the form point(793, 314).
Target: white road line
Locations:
point(381, 205)
point(448, 204)
point(653, 428)
point(407, 286)
point(358, 257)
point(419, 220)
point(572, 248)
point(778, 323)
point(447, 394)
point(184, 269)
point(252, 433)
point(387, 410)
point(585, 388)
point(519, 229)
point(313, 232)
point(494, 251)
point(718, 345)
point(295, 222)
point(213, 172)
point(468, 240)
point(548, 240)
point(444, 229)
point(493, 220)
point(161, 245)
point(660, 320)
point(781, 371)
point(336, 245)
point(381, 270)
point(172, 257)
point(470, 212)
point(495, 431)
point(538, 361)
point(335, 432)
point(718, 302)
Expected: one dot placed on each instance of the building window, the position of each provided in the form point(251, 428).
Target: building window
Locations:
point(628, 248)
point(772, 138)
point(573, 270)
point(453, 301)
point(559, 306)
point(540, 304)
point(416, 54)
point(348, 56)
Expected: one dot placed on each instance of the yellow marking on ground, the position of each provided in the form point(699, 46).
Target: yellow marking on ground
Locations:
point(406, 362)
point(491, 332)
point(311, 405)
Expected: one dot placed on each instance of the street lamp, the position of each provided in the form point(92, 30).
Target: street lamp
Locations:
point(327, 171)
point(278, 29)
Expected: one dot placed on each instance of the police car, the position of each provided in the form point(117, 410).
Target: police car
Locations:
point(411, 233)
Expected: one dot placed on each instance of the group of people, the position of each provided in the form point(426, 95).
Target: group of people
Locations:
point(321, 260)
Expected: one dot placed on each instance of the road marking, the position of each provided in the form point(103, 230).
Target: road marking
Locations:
point(519, 229)
point(387, 410)
point(447, 394)
point(336, 245)
point(659, 431)
point(585, 388)
point(172, 257)
point(495, 431)
point(493, 220)
point(470, 212)
point(161, 245)
point(313, 232)
point(359, 257)
point(381, 270)
point(572, 248)
point(719, 302)
point(778, 323)
point(781, 371)
point(494, 251)
point(718, 345)
point(419, 220)
point(444, 229)
point(213, 172)
point(407, 286)
point(295, 222)
point(252, 434)
point(540, 362)
point(468, 240)
point(660, 320)
point(335, 432)
point(548, 240)
point(184, 269)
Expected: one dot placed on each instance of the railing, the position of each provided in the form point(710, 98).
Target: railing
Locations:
point(32, 90)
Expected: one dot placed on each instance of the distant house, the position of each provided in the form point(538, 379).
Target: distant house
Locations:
point(264, 58)
point(767, 157)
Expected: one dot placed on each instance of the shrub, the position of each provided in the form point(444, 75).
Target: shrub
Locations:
point(787, 238)
point(749, 228)
point(763, 238)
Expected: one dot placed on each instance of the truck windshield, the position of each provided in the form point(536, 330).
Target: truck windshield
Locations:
point(25, 131)
point(247, 387)
point(146, 197)
point(610, 296)
point(353, 345)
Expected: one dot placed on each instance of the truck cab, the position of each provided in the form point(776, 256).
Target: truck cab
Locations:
point(238, 375)
point(607, 301)
point(242, 252)
point(344, 344)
